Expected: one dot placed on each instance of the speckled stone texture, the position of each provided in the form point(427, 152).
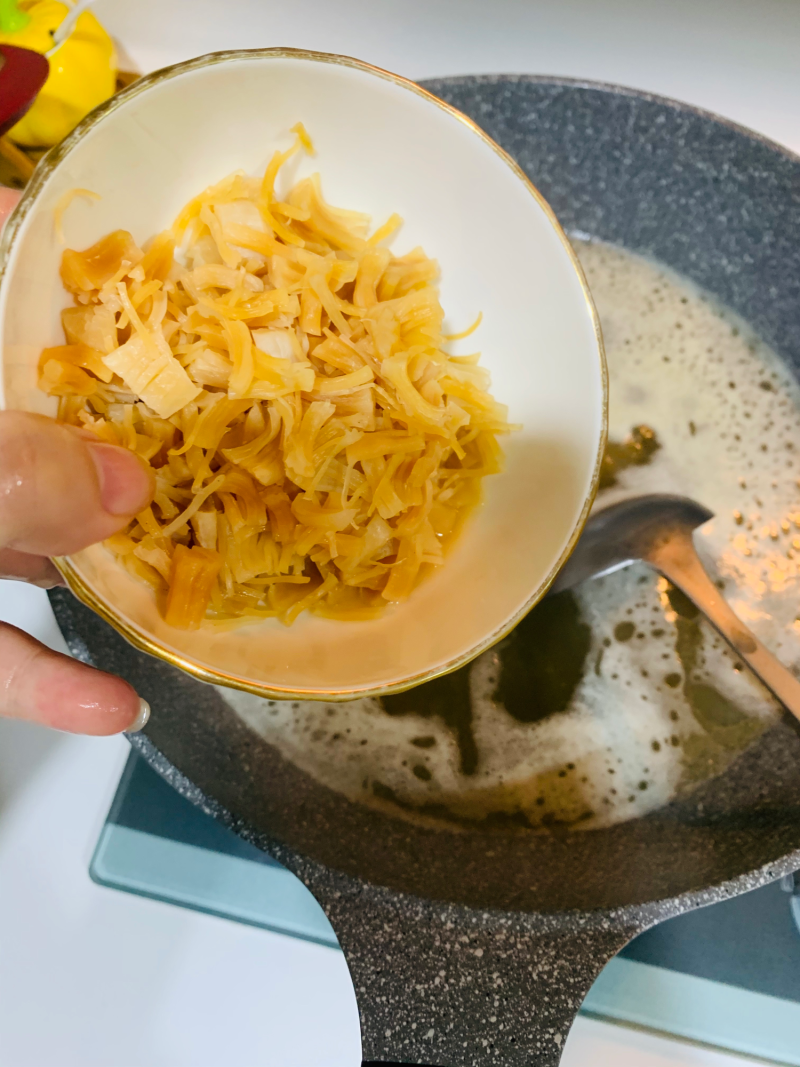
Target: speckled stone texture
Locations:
point(474, 949)
point(710, 199)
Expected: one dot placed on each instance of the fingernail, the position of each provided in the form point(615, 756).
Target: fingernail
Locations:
point(126, 483)
point(141, 719)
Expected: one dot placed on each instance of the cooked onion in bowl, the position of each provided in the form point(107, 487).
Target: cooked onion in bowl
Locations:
point(314, 444)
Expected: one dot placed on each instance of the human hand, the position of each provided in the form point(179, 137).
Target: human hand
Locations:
point(61, 489)
point(8, 201)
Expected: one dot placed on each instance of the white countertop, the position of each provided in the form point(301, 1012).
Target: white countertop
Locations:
point(90, 977)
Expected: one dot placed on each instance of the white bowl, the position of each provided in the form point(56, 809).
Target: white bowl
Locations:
point(383, 145)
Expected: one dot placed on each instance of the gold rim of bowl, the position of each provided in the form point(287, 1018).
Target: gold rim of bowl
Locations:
point(77, 584)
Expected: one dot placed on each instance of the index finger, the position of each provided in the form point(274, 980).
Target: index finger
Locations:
point(45, 687)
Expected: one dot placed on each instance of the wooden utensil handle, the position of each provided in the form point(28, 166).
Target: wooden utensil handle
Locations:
point(678, 561)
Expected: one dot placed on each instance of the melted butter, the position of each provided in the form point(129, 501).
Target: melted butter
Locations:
point(449, 700)
point(607, 702)
point(637, 450)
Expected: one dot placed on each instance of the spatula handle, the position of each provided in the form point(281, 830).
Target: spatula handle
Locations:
point(677, 559)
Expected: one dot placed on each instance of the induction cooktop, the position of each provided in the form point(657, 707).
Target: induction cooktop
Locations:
point(726, 976)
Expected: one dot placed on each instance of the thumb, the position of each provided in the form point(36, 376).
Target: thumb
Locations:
point(61, 488)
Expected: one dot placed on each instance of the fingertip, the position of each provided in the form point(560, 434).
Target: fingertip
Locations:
point(126, 482)
point(79, 699)
point(53, 690)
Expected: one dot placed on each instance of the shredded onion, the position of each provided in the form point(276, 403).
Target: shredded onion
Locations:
point(315, 446)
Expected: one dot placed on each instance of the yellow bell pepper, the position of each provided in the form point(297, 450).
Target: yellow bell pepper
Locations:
point(82, 69)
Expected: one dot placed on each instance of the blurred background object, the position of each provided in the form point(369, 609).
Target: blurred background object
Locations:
point(82, 66)
point(22, 75)
point(82, 73)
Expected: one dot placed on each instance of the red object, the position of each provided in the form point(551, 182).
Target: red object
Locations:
point(22, 75)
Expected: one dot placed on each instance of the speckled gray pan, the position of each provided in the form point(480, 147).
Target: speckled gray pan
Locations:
point(477, 948)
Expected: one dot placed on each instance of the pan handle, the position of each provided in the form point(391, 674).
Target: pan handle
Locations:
point(453, 987)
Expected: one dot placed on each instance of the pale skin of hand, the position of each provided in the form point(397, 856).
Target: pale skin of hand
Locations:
point(61, 489)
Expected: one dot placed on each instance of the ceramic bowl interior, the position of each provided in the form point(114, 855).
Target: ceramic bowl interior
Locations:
point(382, 146)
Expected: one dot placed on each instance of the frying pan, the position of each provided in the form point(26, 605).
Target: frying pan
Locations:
point(477, 948)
